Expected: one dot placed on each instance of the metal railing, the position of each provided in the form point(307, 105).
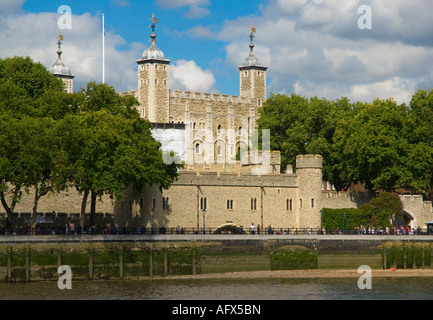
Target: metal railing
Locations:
point(78, 230)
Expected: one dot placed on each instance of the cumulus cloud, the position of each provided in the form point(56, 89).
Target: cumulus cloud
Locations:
point(195, 32)
point(314, 47)
point(32, 35)
point(196, 8)
point(10, 6)
point(187, 75)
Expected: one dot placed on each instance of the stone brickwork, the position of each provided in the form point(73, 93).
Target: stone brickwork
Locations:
point(215, 189)
point(239, 198)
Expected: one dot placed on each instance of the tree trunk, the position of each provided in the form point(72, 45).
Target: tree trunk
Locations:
point(83, 207)
point(93, 208)
point(10, 208)
point(35, 209)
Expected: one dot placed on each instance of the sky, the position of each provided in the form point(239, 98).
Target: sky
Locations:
point(324, 48)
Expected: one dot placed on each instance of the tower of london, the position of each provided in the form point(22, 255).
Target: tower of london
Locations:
point(226, 179)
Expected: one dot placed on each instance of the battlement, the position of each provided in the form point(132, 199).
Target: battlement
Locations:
point(241, 179)
point(309, 161)
point(216, 97)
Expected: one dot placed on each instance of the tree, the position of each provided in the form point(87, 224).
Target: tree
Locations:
point(299, 125)
point(373, 145)
point(382, 210)
point(28, 93)
point(110, 147)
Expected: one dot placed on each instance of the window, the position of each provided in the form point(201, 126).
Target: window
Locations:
point(229, 204)
point(300, 203)
point(240, 131)
point(253, 203)
point(219, 150)
point(164, 203)
point(219, 129)
point(312, 203)
point(203, 204)
point(197, 148)
point(153, 203)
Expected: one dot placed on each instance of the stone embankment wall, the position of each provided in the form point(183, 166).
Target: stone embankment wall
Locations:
point(34, 258)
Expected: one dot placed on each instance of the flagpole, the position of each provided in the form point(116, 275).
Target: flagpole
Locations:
point(103, 48)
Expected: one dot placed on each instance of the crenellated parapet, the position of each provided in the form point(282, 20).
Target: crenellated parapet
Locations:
point(208, 97)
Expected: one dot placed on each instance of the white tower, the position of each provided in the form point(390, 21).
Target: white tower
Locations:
point(153, 82)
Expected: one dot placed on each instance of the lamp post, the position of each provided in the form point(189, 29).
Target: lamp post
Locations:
point(204, 226)
point(321, 222)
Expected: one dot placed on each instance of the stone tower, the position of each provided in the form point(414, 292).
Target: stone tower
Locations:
point(60, 70)
point(253, 77)
point(309, 171)
point(153, 82)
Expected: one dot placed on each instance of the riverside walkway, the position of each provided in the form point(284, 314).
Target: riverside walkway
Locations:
point(204, 237)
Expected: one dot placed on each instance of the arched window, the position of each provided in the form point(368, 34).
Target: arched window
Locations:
point(197, 148)
point(219, 150)
point(219, 129)
point(240, 131)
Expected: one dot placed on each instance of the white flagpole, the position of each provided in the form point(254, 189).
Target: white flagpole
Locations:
point(103, 48)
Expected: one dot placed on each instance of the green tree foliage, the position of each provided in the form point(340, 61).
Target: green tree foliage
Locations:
point(383, 144)
point(302, 126)
point(28, 94)
point(110, 147)
point(382, 211)
point(93, 140)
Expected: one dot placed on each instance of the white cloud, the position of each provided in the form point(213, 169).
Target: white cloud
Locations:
point(32, 35)
point(195, 32)
point(197, 12)
point(315, 47)
point(187, 75)
point(196, 9)
point(10, 6)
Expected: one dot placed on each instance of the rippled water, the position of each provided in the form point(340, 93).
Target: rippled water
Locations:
point(224, 289)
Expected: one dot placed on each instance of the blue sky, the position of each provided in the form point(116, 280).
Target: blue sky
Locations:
point(311, 47)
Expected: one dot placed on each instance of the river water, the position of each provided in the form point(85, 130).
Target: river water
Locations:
point(224, 289)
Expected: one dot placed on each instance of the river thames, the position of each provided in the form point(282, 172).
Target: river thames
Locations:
point(386, 288)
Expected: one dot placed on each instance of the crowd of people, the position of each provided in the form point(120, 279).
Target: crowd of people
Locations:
point(77, 229)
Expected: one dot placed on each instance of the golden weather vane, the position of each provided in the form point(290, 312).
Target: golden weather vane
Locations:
point(59, 40)
point(154, 22)
point(252, 30)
